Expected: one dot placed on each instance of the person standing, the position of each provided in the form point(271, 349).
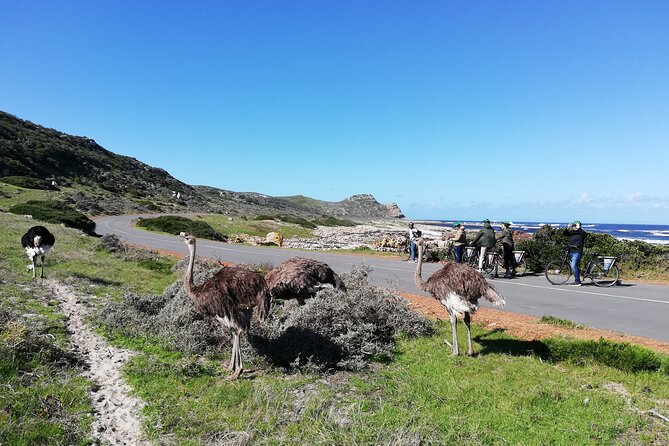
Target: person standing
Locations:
point(413, 235)
point(485, 239)
point(507, 245)
point(459, 238)
point(577, 238)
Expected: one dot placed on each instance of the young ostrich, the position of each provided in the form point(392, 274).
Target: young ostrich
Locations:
point(301, 278)
point(229, 297)
point(458, 287)
point(37, 242)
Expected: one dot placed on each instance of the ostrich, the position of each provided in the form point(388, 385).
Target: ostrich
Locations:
point(229, 297)
point(37, 242)
point(301, 278)
point(458, 287)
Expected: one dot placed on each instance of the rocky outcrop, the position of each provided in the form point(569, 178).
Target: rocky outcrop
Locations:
point(394, 211)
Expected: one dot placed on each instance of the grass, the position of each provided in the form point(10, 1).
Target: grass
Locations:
point(44, 397)
point(552, 320)
point(514, 392)
point(425, 397)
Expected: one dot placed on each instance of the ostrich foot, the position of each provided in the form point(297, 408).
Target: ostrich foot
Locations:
point(447, 342)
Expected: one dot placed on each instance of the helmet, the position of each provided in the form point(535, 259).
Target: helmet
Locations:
point(456, 224)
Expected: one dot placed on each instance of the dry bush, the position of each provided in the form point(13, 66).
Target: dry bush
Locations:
point(334, 330)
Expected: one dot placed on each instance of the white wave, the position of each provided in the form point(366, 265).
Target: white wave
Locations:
point(649, 241)
point(660, 233)
point(623, 230)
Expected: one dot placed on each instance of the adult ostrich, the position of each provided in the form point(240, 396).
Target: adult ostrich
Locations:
point(229, 297)
point(37, 242)
point(458, 287)
point(301, 278)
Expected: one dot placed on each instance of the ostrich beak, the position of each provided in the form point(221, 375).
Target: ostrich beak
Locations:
point(182, 234)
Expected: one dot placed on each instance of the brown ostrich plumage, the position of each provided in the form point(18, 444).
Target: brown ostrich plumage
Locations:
point(458, 287)
point(301, 278)
point(229, 297)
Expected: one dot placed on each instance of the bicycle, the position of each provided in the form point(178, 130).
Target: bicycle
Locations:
point(601, 270)
point(521, 264)
point(490, 262)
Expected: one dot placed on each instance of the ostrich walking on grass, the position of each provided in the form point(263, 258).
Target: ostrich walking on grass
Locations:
point(37, 242)
point(229, 297)
point(458, 287)
point(301, 278)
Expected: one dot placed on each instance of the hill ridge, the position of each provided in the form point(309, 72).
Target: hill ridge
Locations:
point(99, 181)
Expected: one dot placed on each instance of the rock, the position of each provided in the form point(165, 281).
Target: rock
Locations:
point(394, 210)
point(274, 237)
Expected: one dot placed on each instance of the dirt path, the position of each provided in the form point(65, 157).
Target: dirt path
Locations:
point(117, 414)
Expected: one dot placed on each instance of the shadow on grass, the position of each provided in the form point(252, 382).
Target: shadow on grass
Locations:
point(96, 280)
point(492, 342)
point(298, 347)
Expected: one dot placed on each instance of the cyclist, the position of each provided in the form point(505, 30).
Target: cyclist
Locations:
point(413, 235)
point(459, 239)
point(507, 244)
point(577, 238)
point(485, 239)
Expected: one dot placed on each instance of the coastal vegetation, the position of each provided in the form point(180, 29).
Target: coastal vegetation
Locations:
point(637, 259)
point(389, 388)
point(174, 224)
point(53, 211)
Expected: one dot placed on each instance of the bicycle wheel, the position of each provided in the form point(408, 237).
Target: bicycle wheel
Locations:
point(490, 269)
point(521, 268)
point(558, 273)
point(601, 277)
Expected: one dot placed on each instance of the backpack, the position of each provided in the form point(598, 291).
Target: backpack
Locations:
point(418, 233)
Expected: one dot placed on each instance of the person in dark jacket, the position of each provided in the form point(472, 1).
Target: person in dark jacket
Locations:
point(485, 239)
point(507, 245)
point(577, 238)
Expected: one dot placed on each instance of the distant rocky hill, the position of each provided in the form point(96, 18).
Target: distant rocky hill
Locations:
point(98, 181)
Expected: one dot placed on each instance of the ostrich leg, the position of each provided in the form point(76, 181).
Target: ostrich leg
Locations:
point(34, 260)
point(41, 273)
point(236, 359)
point(454, 321)
point(468, 318)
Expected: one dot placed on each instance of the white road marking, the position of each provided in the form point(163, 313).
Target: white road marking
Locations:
point(569, 290)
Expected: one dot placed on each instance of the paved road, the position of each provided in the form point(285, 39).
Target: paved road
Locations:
point(637, 309)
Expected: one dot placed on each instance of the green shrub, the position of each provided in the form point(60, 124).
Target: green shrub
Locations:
point(328, 220)
point(52, 211)
point(173, 224)
point(333, 330)
point(549, 244)
point(29, 183)
point(622, 356)
point(288, 219)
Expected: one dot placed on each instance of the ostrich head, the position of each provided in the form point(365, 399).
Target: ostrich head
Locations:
point(37, 241)
point(188, 239)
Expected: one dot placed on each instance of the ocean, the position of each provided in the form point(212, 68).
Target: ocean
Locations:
point(655, 234)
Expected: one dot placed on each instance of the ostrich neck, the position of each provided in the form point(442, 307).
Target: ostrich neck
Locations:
point(418, 279)
point(188, 279)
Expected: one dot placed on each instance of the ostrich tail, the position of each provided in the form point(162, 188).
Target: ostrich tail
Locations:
point(493, 296)
point(264, 300)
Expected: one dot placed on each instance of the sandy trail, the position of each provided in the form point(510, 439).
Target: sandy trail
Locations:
point(117, 413)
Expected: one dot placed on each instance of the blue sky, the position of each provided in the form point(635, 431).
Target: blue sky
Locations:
point(521, 110)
